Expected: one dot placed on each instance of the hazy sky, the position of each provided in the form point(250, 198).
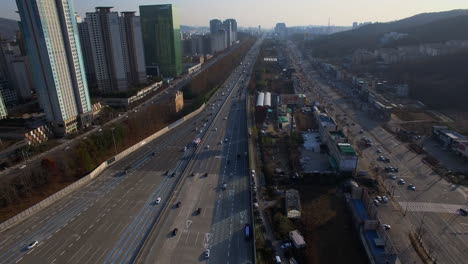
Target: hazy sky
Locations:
point(268, 12)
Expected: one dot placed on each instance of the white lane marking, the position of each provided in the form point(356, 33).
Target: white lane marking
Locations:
point(19, 260)
point(63, 252)
point(69, 246)
point(29, 252)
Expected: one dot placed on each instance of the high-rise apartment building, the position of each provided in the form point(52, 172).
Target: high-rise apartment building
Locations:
point(215, 25)
point(83, 31)
point(230, 26)
point(161, 40)
point(134, 59)
point(53, 47)
point(106, 46)
point(113, 49)
point(281, 31)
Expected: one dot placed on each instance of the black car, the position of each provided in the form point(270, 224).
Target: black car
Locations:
point(463, 212)
point(198, 211)
point(177, 205)
point(174, 232)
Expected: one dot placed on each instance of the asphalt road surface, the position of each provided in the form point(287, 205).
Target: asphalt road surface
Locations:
point(106, 221)
point(223, 196)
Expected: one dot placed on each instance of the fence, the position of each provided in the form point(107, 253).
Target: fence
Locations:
point(95, 173)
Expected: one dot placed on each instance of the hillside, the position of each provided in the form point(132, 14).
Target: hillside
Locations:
point(8, 28)
point(422, 28)
point(437, 81)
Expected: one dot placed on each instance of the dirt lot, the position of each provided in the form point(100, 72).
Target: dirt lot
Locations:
point(327, 227)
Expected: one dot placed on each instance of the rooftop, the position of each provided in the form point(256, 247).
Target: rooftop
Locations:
point(346, 148)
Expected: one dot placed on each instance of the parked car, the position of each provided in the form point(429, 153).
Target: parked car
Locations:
point(401, 181)
point(174, 232)
point(412, 187)
point(286, 245)
point(386, 227)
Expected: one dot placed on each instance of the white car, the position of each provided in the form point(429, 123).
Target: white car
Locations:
point(158, 200)
point(207, 147)
point(32, 244)
point(207, 254)
point(386, 227)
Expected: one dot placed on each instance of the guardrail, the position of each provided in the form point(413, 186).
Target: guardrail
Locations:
point(138, 258)
point(96, 172)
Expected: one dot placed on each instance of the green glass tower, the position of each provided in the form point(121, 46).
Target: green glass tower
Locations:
point(161, 40)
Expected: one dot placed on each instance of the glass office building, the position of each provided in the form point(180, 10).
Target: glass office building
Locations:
point(161, 40)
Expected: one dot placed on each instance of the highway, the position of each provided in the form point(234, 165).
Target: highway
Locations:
point(219, 227)
point(174, 86)
point(432, 207)
point(106, 220)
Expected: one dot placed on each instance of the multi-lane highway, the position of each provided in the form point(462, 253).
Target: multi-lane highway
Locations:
point(217, 185)
point(107, 220)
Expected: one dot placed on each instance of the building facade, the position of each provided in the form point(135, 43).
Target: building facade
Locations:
point(215, 25)
point(230, 26)
point(53, 47)
point(107, 49)
point(134, 59)
point(83, 31)
point(161, 40)
point(113, 49)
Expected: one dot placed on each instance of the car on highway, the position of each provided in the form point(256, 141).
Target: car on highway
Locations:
point(412, 187)
point(247, 231)
point(463, 212)
point(206, 254)
point(158, 200)
point(32, 245)
point(386, 227)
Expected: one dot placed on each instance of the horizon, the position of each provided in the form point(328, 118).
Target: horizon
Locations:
point(335, 11)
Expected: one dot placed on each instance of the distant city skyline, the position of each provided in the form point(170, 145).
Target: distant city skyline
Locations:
point(268, 12)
